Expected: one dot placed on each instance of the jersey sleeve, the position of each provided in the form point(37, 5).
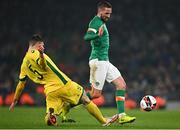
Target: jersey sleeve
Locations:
point(93, 28)
point(94, 25)
point(22, 75)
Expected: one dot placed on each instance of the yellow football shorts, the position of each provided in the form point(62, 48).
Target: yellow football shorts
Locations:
point(70, 93)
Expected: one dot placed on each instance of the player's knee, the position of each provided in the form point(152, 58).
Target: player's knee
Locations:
point(119, 83)
point(121, 86)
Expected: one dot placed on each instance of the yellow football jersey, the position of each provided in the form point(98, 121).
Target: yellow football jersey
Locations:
point(49, 76)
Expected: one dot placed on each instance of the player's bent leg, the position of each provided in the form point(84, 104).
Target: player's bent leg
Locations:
point(54, 106)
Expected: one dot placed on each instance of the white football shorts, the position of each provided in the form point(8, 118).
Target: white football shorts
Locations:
point(101, 71)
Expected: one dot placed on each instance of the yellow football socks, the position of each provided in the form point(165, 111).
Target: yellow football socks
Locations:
point(94, 110)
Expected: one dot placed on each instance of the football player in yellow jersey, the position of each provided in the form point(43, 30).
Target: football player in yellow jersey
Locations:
point(59, 89)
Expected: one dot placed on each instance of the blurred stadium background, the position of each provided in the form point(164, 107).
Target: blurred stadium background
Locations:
point(145, 44)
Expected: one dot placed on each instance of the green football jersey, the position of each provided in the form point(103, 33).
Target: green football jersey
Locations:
point(100, 45)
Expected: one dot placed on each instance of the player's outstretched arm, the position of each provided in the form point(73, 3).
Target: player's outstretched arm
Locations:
point(18, 92)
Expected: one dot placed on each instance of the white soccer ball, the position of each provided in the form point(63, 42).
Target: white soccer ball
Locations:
point(148, 103)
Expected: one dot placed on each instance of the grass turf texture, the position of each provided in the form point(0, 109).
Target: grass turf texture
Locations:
point(33, 118)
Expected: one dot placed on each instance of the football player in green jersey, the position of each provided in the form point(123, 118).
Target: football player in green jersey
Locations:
point(100, 67)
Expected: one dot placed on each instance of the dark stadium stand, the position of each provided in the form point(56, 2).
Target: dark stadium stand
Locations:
point(144, 35)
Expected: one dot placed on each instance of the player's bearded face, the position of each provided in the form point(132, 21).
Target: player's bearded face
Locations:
point(106, 14)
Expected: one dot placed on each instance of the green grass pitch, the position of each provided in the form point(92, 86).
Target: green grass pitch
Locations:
point(33, 118)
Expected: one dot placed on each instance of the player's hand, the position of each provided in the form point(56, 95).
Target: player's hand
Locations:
point(101, 30)
point(11, 108)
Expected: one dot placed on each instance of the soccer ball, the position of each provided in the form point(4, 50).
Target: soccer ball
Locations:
point(148, 103)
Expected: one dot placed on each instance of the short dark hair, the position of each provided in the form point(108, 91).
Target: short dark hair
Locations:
point(103, 4)
point(35, 38)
